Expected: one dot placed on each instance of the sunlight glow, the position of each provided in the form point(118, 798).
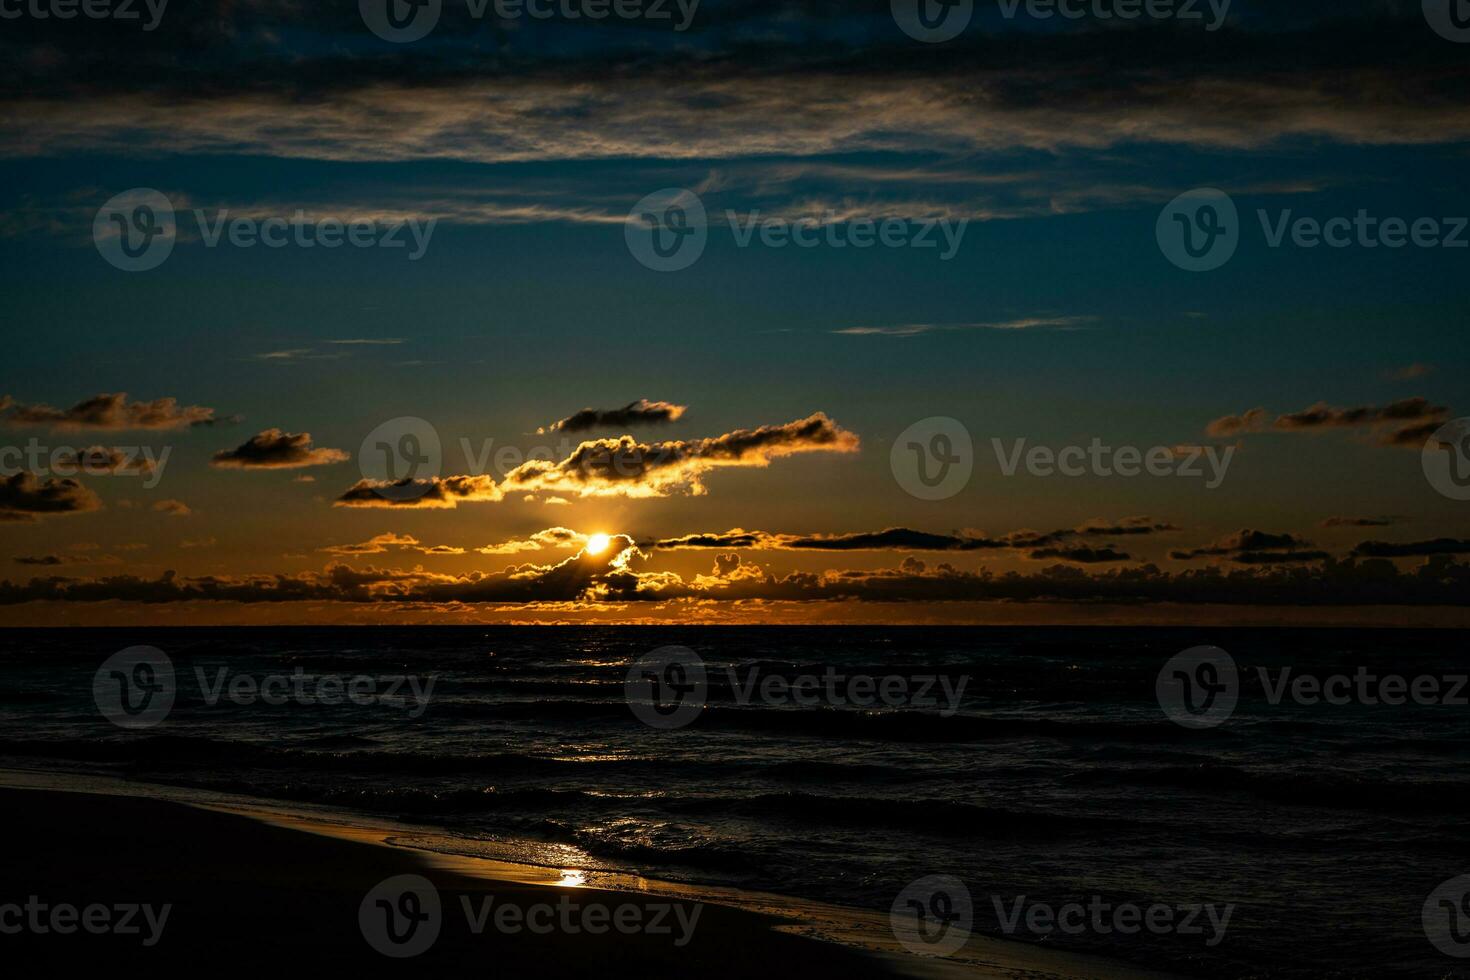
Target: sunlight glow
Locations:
point(597, 544)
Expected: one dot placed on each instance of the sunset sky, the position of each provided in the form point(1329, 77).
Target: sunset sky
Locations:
point(767, 383)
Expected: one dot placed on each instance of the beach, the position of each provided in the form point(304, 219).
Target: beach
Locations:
point(267, 897)
point(95, 879)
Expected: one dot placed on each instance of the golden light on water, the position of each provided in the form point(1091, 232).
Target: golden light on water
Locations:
point(573, 878)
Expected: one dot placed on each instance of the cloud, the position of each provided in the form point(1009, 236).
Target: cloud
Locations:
point(908, 539)
point(612, 576)
point(1025, 323)
point(1412, 549)
point(381, 543)
point(293, 354)
point(108, 411)
point(615, 467)
point(278, 450)
point(1086, 556)
point(373, 546)
point(640, 412)
point(188, 543)
point(551, 537)
point(624, 467)
point(1363, 77)
point(1252, 547)
point(1253, 420)
point(1407, 422)
point(420, 493)
point(1142, 524)
point(100, 459)
point(1359, 521)
point(24, 498)
point(1411, 372)
point(1322, 415)
point(52, 560)
point(174, 508)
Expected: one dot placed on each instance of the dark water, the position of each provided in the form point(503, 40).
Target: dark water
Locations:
point(1059, 778)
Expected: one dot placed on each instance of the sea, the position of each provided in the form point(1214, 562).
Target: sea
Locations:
point(1035, 765)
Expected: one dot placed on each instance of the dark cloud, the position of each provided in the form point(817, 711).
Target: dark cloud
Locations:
point(1127, 526)
point(277, 450)
point(1359, 521)
point(624, 467)
point(616, 467)
point(101, 459)
point(787, 79)
point(382, 543)
point(1086, 556)
point(640, 412)
point(174, 508)
point(610, 576)
point(24, 498)
point(1322, 415)
point(908, 539)
point(108, 411)
point(424, 492)
point(50, 560)
point(1252, 547)
point(1407, 422)
point(1412, 549)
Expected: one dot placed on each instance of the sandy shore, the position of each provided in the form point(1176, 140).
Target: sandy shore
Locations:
point(267, 890)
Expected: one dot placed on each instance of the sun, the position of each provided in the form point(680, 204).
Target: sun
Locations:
point(597, 544)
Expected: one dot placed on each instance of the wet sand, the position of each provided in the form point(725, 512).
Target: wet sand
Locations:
point(269, 890)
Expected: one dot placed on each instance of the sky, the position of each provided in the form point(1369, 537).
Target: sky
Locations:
point(645, 415)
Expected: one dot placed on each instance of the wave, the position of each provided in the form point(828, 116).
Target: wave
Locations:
point(1341, 791)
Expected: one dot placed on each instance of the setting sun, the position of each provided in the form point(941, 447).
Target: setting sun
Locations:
point(597, 544)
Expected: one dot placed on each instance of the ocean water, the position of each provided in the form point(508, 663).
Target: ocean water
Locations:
point(1058, 777)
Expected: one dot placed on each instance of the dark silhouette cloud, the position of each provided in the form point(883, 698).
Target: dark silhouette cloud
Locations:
point(424, 492)
point(1407, 422)
point(1412, 549)
point(275, 449)
point(1252, 547)
point(107, 411)
point(609, 576)
point(1086, 556)
point(24, 498)
point(640, 412)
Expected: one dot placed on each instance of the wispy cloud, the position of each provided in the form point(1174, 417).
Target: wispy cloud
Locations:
point(1022, 323)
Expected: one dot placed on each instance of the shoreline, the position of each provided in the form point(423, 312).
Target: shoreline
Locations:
point(766, 930)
